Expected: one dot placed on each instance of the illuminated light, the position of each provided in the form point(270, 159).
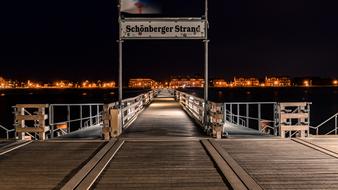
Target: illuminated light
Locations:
point(3, 94)
point(335, 82)
point(306, 83)
point(84, 94)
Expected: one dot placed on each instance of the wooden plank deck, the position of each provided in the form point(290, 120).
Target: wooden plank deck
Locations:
point(330, 144)
point(283, 164)
point(44, 165)
point(161, 165)
point(237, 131)
point(162, 119)
point(163, 149)
point(5, 143)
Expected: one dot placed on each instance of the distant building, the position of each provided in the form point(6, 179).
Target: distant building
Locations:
point(220, 83)
point(3, 83)
point(245, 82)
point(277, 81)
point(142, 83)
point(186, 82)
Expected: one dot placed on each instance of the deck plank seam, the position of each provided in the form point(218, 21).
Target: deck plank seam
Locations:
point(246, 178)
point(316, 147)
point(89, 165)
point(10, 148)
point(93, 175)
point(232, 178)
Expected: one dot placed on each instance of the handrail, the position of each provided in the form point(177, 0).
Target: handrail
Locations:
point(193, 105)
point(85, 113)
point(219, 113)
point(335, 116)
point(7, 131)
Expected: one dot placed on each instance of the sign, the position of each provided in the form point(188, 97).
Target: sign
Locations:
point(163, 29)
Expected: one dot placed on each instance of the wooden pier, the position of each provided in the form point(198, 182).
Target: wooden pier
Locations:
point(165, 149)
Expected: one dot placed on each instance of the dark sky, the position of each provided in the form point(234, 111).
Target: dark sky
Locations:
point(75, 39)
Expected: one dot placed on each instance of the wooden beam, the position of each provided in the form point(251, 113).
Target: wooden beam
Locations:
point(30, 130)
point(316, 147)
point(90, 179)
point(13, 146)
point(249, 182)
point(226, 170)
point(31, 117)
point(80, 175)
point(32, 105)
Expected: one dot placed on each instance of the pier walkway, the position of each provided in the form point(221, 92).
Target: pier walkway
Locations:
point(164, 149)
point(162, 119)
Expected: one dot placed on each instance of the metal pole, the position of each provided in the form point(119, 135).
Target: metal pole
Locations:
point(120, 41)
point(206, 66)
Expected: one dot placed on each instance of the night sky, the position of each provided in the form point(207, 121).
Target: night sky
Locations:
point(76, 40)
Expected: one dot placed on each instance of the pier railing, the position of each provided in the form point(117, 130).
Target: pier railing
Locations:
point(242, 114)
point(272, 118)
point(333, 120)
point(256, 115)
point(62, 119)
point(193, 105)
point(116, 118)
point(7, 131)
point(67, 118)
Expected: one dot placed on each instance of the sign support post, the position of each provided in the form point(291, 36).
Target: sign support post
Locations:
point(120, 42)
point(206, 67)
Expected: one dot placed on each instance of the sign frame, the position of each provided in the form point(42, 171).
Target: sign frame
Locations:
point(163, 21)
point(205, 41)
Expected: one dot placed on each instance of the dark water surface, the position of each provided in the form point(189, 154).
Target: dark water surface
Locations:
point(324, 99)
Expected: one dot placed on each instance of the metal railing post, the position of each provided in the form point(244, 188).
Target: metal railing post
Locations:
point(90, 116)
point(231, 115)
point(51, 120)
point(81, 116)
point(238, 106)
point(259, 117)
point(336, 123)
point(68, 118)
point(247, 115)
point(97, 114)
point(225, 112)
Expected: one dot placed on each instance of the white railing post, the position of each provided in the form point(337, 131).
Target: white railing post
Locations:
point(259, 117)
point(81, 116)
point(51, 118)
point(225, 112)
point(247, 114)
point(335, 124)
point(68, 118)
point(238, 107)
